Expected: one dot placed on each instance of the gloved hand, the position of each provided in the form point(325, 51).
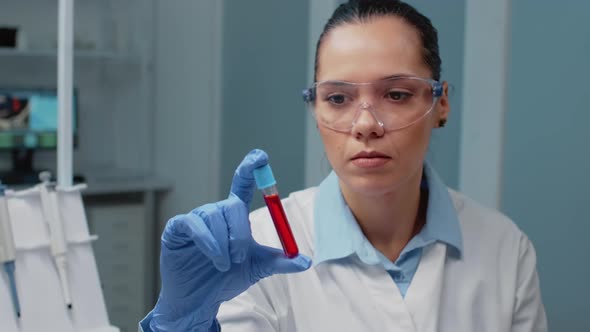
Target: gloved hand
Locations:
point(209, 256)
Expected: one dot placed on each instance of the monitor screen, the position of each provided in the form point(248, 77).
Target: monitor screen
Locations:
point(29, 117)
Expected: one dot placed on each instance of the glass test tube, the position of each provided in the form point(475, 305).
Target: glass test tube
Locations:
point(266, 182)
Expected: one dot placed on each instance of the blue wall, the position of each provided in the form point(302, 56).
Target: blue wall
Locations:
point(546, 154)
point(265, 70)
point(448, 17)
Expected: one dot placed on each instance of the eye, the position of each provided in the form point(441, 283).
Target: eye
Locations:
point(336, 99)
point(398, 95)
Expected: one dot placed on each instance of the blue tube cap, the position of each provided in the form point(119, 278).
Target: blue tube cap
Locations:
point(264, 177)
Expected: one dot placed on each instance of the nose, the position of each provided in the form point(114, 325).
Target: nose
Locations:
point(366, 123)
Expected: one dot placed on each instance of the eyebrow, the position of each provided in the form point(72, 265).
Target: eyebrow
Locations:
point(398, 75)
point(401, 75)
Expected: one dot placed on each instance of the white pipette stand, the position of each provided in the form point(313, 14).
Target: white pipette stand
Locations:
point(39, 285)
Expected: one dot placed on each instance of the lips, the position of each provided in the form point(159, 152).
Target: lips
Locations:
point(370, 154)
point(370, 159)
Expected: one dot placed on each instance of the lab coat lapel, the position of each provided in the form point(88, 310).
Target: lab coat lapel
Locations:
point(423, 295)
point(388, 309)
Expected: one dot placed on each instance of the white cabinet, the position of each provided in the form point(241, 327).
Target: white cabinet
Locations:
point(119, 254)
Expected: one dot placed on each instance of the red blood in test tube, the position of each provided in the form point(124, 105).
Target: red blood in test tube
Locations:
point(273, 202)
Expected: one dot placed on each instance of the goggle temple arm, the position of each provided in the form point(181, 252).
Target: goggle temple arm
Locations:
point(308, 95)
point(437, 89)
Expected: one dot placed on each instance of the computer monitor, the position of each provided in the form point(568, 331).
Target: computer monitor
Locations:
point(28, 122)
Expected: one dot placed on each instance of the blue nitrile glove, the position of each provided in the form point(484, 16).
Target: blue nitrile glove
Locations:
point(209, 256)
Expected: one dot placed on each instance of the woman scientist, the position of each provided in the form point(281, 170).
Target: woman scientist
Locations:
point(393, 249)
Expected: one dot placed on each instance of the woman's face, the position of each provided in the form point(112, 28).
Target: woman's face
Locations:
point(366, 52)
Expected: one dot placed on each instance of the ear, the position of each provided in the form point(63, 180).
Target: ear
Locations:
point(442, 107)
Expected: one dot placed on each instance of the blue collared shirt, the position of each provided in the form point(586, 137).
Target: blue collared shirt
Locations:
point(338, 235)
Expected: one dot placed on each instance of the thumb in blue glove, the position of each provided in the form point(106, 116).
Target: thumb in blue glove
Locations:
point(209, 256)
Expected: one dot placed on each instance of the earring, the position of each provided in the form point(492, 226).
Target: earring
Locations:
point(442, 122)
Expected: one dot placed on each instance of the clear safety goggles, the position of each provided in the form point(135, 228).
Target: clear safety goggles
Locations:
point(395, 103)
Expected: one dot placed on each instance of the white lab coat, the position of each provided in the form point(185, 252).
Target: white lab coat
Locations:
point(492, 287)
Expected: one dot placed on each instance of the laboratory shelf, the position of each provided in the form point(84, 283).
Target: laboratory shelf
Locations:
point(78, 55)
